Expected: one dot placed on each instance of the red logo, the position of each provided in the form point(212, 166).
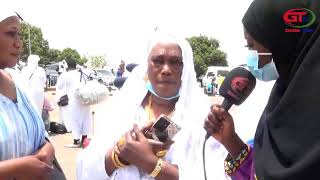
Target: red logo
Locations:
point(299, 19)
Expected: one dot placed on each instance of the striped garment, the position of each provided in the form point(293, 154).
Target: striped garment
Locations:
point(21, 128)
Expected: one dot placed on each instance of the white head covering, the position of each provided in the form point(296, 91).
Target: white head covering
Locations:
point(5, 13)
point(33, 60)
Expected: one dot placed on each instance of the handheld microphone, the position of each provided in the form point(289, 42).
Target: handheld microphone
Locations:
point(131, 66)
point(236, 87)
point(119, 81)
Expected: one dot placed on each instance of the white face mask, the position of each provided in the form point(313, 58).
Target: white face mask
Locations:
point(267, 73)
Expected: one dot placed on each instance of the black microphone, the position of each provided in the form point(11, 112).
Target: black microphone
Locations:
point(131, 66)
point(236, 87)
point(119, 81)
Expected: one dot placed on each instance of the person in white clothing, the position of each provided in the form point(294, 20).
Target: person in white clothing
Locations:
point(166, 85)
point(35, 81)
point(79, 116)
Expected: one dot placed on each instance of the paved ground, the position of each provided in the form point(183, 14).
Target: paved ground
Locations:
point(67, 156)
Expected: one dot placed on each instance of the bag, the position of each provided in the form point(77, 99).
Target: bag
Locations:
point(57, 173)
point(63, 101)
point(57, 128)
point(91, 92)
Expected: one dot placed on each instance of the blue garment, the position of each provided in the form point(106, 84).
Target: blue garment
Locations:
point(21, 128)
point(119, 73)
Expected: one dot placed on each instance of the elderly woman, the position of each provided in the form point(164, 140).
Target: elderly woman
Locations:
point(286, 143)
point(24, 152)
point(166, 86)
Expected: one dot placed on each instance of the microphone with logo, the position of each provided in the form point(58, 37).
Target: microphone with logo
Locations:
point(236, 87)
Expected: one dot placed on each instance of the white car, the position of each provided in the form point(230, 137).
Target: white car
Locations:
point(104, 76)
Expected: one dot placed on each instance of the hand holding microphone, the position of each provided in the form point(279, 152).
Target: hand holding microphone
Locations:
point(235, 89)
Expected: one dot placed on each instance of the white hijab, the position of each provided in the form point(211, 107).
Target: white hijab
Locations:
point(135, 88)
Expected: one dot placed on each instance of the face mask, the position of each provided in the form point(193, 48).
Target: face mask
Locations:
point(267, 73)
point(150, 88)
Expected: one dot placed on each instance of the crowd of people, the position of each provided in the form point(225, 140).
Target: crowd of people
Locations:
point(128, 146)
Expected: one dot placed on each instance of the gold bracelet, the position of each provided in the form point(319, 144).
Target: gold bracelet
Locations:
point(161, 153)
point(113, 160)
point(157, 169)
point(121, 164)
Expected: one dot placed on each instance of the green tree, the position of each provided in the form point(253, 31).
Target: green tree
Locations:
point(206, 53)
point(97, 61)
point(39, 45)
point(69, 53)
point(53, 55)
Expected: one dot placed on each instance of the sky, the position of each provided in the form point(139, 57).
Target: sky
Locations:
point(121, 29)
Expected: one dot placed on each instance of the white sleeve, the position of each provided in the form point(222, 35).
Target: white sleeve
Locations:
point(91, 165)
point(91, 161)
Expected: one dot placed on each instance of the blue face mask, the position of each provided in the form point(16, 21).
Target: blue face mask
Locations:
point(267, 73)
point(150, 88)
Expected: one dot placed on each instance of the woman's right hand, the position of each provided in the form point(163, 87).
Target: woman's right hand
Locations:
point(219, 124)
point(30, 168)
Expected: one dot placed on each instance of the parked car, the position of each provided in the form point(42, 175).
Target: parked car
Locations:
point(52, 74)
point(213, 78)
point(104, 76)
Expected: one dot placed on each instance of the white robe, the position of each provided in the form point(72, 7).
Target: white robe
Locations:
point(76, 117)
point(34, 83)
point(186, 152)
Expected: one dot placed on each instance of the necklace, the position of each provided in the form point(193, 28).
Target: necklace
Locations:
point(150, 111)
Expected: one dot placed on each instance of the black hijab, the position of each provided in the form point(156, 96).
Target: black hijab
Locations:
point(287, 140)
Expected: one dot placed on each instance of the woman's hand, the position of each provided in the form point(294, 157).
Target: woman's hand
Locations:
point(219, 124)
point(30, 168)
point(136, 150)
point(156, 145)
point(46, 153)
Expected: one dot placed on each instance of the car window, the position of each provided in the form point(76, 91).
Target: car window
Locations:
point(52, 67)
point(210, 74)
point(223, 73)
point(104, 72)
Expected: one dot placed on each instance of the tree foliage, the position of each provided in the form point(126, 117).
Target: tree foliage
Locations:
point(206, 53)
point(39, 45)
point(69, 53)
point(97, 61)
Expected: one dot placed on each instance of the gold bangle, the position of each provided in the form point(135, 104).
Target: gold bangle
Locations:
point(121, 141)
point(113, 160)
point(161, 153)
point(157, 169)
point(116, 157)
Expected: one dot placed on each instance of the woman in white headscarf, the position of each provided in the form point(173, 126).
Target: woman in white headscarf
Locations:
point(167, 85)
point(24, 152)
point(35, 81)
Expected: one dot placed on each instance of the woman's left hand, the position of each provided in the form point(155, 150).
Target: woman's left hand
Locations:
point(46, 153)
point(136, 150)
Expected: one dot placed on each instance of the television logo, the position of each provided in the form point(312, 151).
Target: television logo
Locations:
point(299, 19)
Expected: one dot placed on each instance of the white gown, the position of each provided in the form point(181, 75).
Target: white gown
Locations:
point(76, 117)
point(186, 152)
point(34, 83)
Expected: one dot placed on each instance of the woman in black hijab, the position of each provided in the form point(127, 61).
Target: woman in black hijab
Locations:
point(287, 140)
